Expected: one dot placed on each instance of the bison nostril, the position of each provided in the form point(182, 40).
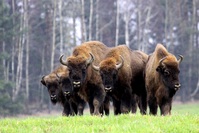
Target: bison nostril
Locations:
point(177, 85)
point(53, 96)
point(66, 93)
point(76, 83)
point(108, 88)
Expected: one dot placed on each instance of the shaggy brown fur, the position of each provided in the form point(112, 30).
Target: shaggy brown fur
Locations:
point(119, 82)
point(161, 79)
point(85, 81)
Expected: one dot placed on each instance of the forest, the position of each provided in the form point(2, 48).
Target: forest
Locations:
point(34, 33)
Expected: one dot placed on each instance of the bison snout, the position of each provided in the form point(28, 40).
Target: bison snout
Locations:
point(177, 87)
point(76, 84)
point(67, 93)
point(53, 97)
point(108, 89)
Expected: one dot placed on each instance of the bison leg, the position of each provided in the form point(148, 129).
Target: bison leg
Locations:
point(134, 102)
point(126, 102)
point(165, 106)
point(74, 108)
point(143, 103)
point(106, 105)
point(97, 106)
point(152, 105)
point(66, 110)
point(80, 106)
point(116, 106)
point(91, 107)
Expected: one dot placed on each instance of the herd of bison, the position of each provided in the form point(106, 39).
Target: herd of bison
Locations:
point(97, 75)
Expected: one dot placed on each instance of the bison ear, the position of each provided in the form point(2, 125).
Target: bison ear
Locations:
point(43, 81)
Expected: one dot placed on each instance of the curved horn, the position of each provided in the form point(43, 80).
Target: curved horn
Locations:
point(181, 58)
point(160, 62)
point(62, 61)
point(118, 66)
point(96, 68)
point(89, 61)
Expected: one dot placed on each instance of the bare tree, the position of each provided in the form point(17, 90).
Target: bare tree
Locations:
point(61, 27)
point(97, 20)
point(90, 20)
point(26, 24)
point(126, 19)
point(74, 23)
point(117, 24)
point(83, 26)
point(53, 34)
point(20, 47)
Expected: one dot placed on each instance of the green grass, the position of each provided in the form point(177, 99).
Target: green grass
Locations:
point(184, 119)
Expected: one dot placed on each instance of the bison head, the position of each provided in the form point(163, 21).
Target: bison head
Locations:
point(65, 85)
point(78, 67)
point(108, 70)
point(52, 84)
point(168, 69)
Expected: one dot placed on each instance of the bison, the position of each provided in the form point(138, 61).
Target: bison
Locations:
point(85, 81)
point(122, 74)
point(73, 104)
point(162, 79)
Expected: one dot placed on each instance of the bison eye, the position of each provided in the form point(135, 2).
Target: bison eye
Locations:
point(166, 73)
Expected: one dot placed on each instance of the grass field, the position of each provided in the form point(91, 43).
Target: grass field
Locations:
point(184, 119)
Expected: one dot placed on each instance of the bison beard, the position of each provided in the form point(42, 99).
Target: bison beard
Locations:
point(85, 81)
point(122, 74)
point(162, 80)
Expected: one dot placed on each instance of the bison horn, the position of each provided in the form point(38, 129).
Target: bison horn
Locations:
point(118, 66)
point(160, 62)
point(89, 61)
point(181, 58)
point(96, 68)
point(62, 61)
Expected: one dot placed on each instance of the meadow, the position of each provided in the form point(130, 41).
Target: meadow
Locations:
point(184, 119)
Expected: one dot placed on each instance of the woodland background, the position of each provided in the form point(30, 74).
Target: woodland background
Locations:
point(34, 33)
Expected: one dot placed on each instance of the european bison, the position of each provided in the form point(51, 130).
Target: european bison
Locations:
point(54, 83)
point(122, 74)
point(162, 82)
point(86, 82)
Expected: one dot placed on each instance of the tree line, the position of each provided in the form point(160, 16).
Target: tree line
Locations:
point(34, 33)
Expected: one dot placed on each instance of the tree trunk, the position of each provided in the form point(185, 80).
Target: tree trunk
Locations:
point(4, 61)
point(97, 20)
point(126, 16)
point(139, 25)
point(61, 27)
point(83, 26)
point(117, 24)
point(20, 60)
point(90, 20)
point(53, 35)
point(166, 24)
point(26, 20)
point(74, 25)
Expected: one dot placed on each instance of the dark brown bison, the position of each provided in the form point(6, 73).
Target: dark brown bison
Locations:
point(122, 74)
point(86, 82)
point(161, 77)
point(73, 104)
